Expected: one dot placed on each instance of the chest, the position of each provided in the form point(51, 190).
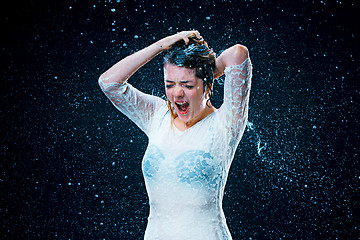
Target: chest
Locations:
point(195, 168)
point(183, 157)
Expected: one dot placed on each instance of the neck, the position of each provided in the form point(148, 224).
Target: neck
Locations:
point(203, 114)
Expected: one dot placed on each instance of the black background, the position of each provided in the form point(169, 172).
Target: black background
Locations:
point(70, 162)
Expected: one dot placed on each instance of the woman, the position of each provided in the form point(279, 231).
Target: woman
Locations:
point(191, 144)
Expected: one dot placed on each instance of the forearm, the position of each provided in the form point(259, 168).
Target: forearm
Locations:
point(236, 87)
point(124, 69)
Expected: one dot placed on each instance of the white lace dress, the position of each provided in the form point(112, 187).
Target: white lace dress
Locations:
point(185, 172)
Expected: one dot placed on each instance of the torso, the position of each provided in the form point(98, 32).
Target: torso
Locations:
point(185, 172)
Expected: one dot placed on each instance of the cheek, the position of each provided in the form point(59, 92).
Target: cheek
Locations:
point(168, 93)
point(195, 96)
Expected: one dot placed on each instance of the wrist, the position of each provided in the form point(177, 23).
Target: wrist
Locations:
point(166, 42)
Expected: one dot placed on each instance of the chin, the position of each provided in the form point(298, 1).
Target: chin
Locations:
point(184, 118)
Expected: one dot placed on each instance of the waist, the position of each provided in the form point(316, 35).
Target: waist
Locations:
point(210, 211)
point(180, 224)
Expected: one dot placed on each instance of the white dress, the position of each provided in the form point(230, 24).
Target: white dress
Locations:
point(185, 172)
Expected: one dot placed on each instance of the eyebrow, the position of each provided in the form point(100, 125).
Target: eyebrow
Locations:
point(181, 81)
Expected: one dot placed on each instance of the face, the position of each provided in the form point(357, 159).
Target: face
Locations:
point(185, 91)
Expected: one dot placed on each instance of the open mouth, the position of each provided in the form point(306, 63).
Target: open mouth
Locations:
point(182, 107)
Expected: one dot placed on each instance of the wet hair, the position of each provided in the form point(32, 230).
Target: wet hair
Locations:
point(195, 55)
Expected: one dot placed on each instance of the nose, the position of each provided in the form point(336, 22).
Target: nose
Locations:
point(178, 91)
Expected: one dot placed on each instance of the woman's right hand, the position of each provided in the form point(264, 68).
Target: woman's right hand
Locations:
point(167, 42)
point(124, 69)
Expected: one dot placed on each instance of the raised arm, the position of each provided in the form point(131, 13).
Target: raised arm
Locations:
point(234, 55)
point(236, 65)
point(136, 105)
point(124, 69)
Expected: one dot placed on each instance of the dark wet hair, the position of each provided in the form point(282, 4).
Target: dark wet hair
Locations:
point(196, 55)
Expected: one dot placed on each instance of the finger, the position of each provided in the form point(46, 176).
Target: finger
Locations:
point(186, 37)
point(186, 40)
point(197, 34)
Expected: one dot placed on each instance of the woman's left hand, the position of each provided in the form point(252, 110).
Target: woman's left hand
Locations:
point(234, 55)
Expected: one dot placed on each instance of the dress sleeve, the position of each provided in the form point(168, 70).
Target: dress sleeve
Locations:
point(136, 105)
point(236, 97)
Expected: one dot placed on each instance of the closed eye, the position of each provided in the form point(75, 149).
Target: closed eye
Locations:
point(189, 87)
point(169, 85)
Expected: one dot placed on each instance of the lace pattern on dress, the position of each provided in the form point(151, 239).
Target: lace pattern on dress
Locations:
point(138, 106)
point(236, 96)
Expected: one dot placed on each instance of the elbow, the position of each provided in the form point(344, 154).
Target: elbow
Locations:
point(101, 82)
point(107, 77)
point(240, 53)
point(104, 78)
point(101, 79)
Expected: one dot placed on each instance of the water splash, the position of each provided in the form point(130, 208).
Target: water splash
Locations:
point(260, 144)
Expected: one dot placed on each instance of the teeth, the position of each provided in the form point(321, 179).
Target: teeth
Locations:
point(180, 103)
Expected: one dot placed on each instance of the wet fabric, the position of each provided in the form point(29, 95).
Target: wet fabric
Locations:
point(185, 172)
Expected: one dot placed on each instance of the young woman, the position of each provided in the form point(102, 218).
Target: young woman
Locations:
point(191, 144)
